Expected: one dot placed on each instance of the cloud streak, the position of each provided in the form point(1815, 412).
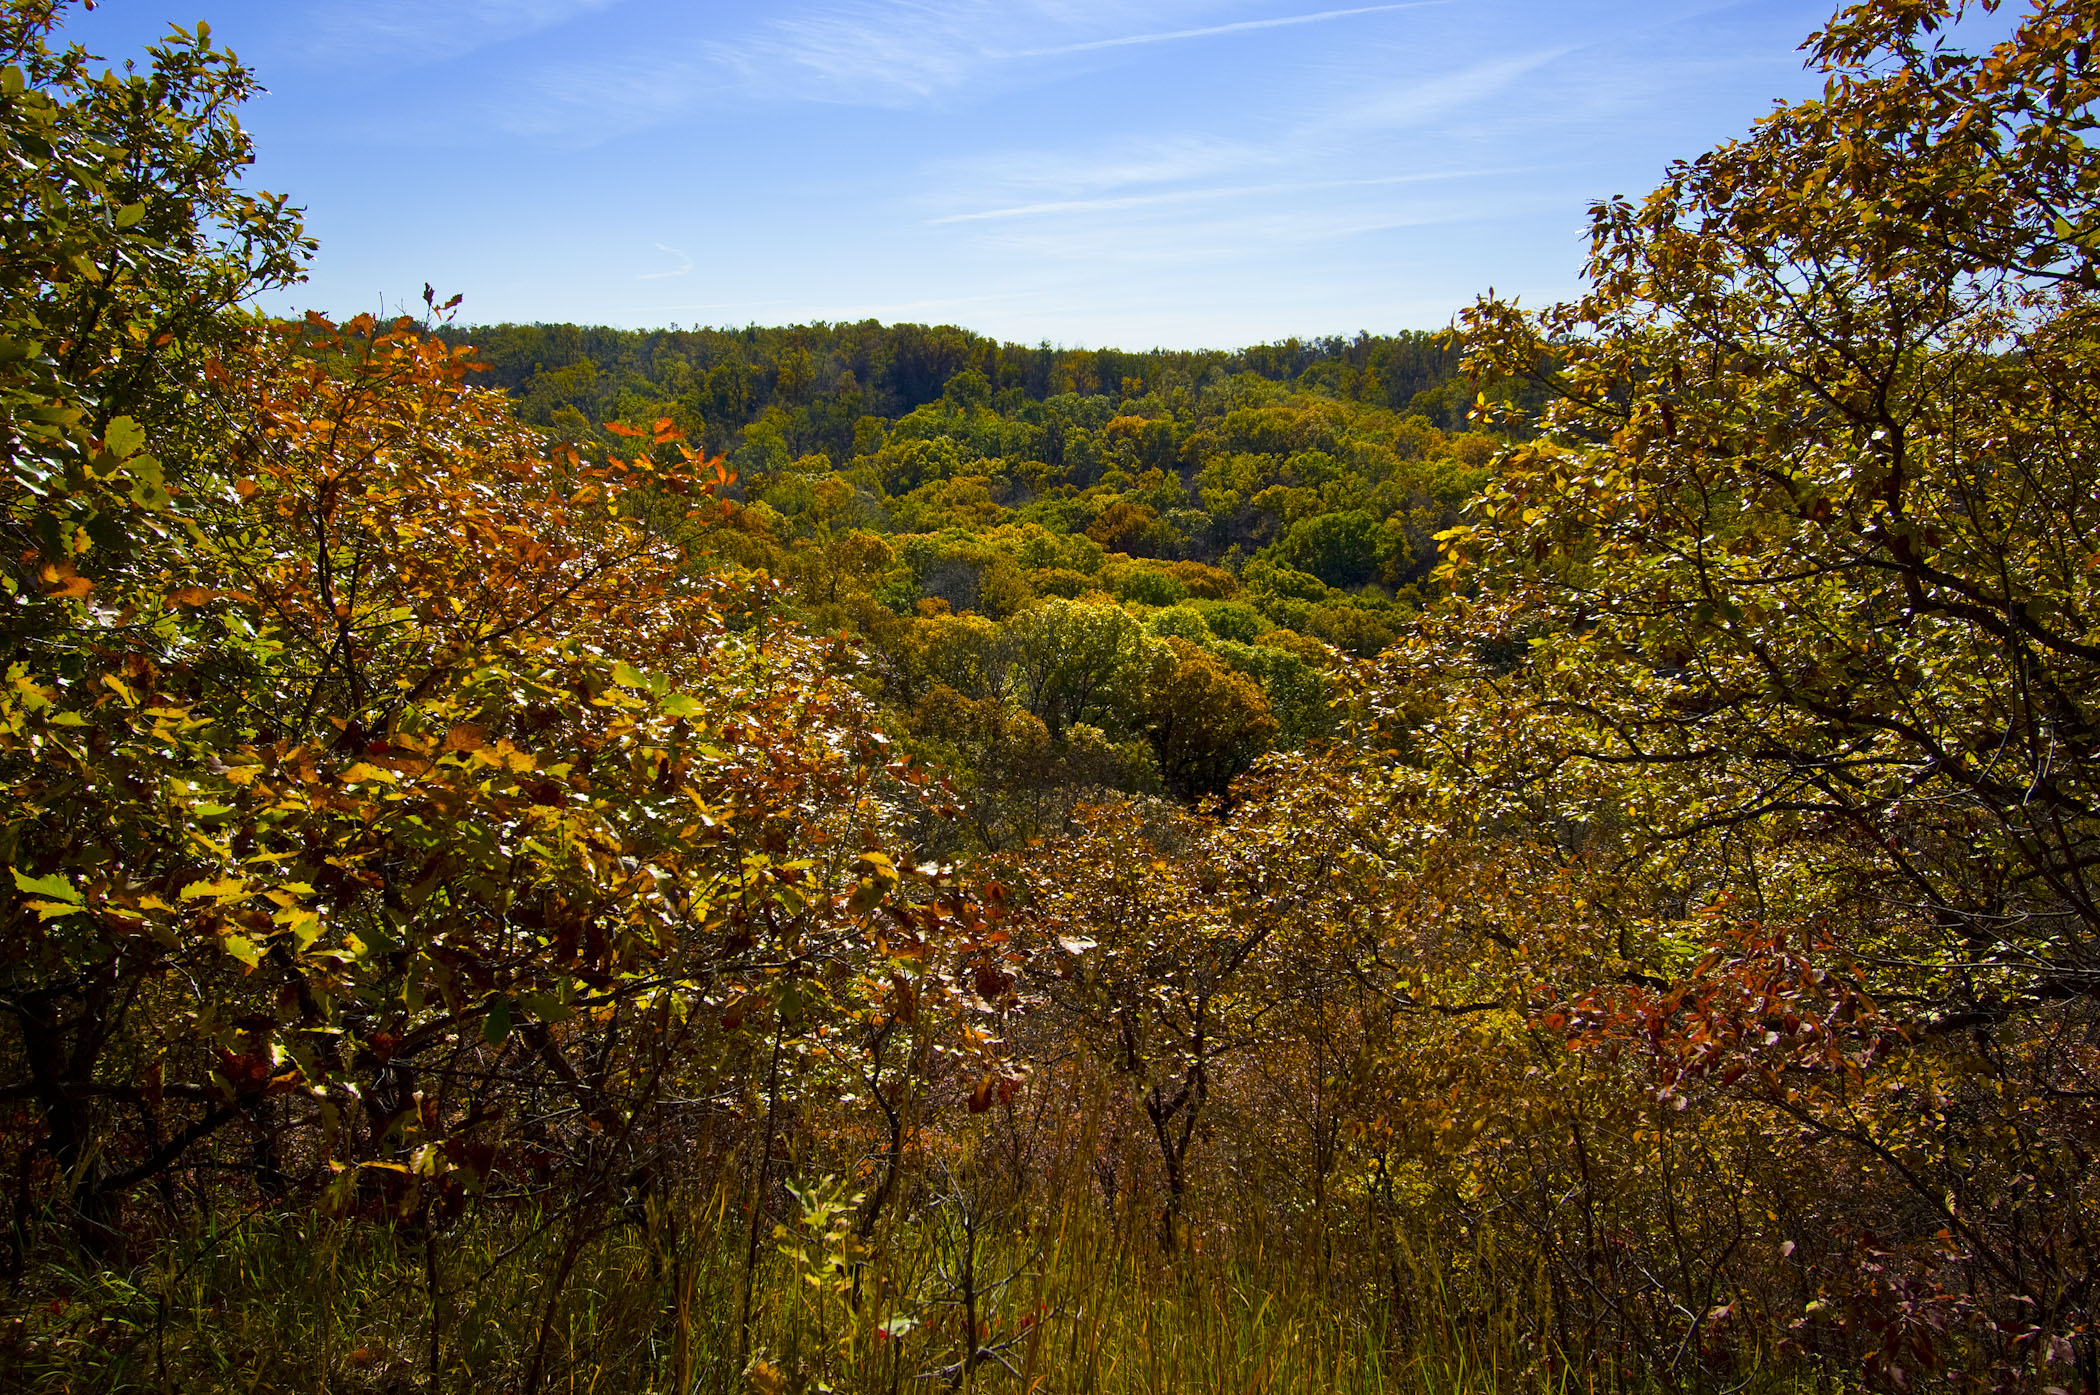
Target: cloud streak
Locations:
point(1245, 26)
point(684, 269)
point(1181, 196)
point(423, 31)
point(910, 51)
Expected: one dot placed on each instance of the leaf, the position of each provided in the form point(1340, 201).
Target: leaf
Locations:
point(679, 705)
point(304, 925)
point(62, 581)
point(628, 676)
point(223, 890)
point(130, 215)
point(338, 1197)
point(124, 437)
point(495, 1027)
point(54, 885)
point(464, 736)
point(149, 487)
point(546, 1007)
point(241, 948)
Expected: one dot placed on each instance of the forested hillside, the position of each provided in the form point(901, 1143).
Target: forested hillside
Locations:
point(1045, 553)
point(1553, 855)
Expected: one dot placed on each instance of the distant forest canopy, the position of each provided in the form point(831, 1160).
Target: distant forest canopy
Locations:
point(1337, 459)
point(826, 376)
point(1052, 557)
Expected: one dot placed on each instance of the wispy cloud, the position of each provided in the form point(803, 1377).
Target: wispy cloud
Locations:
point(1210, 31)
point(1127, 202)
point(583, 102)
point(1300, 179)
point(875, 53)
point(684, 268)
point(1151, 160)
point(904, 52)
point(1408, 102)
point(432, 30)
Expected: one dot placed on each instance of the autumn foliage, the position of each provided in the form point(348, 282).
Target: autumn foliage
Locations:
point(1663, 961)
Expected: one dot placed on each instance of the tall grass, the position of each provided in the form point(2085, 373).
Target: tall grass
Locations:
point(1061, 1302)
point(1064, 1300)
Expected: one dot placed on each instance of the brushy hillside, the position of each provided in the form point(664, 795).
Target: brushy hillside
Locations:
point(861, 858)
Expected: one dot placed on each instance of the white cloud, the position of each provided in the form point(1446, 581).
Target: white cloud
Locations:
point(1311, 176)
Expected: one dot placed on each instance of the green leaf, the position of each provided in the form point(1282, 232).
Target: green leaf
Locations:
point(546, 1007)
point(496, 1026)
point(628, 676)
point(149, 488)
point(124, 437)
point(129, 215)
point(679, 705)
point(241, 948)
point(55, 886)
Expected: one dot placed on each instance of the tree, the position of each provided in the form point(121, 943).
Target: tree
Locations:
point(1077, 662)
point(1207, 722)
point(1341, 549)
point(1134, 528)
point(1806, 551)
point(1155, 968)
point(125, 241)
point(376, 770)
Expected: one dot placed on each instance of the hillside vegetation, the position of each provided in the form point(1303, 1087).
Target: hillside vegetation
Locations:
point(1558, 855)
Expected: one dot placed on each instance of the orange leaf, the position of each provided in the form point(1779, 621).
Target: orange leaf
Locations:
point(61, 580)
point(465, 736)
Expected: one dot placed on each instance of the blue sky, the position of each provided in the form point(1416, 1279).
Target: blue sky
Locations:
point(1181, 173)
